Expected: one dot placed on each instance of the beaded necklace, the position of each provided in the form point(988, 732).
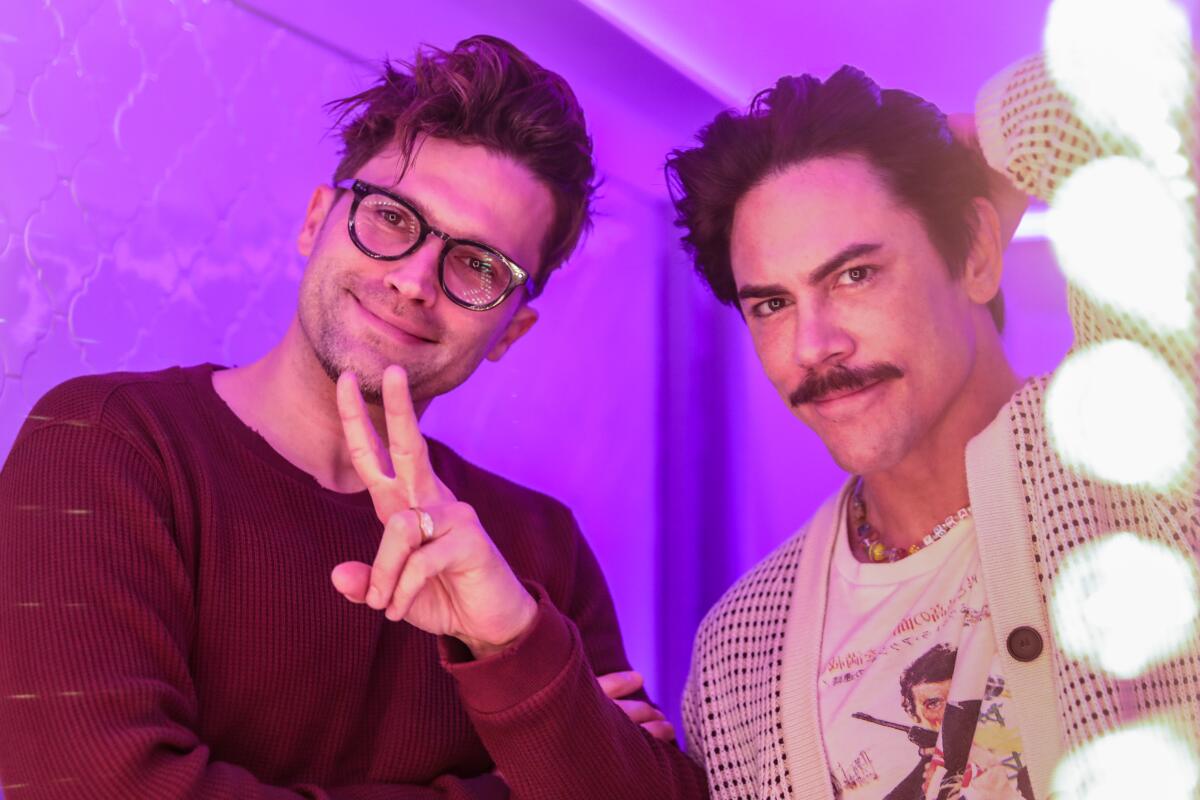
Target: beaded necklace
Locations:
point(879, 552)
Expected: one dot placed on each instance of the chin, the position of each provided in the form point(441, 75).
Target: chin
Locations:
point(866, 452)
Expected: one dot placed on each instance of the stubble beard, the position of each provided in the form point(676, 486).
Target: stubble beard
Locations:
point(331, 352)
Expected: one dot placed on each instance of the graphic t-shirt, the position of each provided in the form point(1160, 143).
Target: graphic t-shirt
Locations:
point(913, 702)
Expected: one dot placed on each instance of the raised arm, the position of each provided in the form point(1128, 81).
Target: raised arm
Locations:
point(1029, 131)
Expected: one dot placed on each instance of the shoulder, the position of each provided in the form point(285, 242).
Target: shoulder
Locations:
point(116, 402)
point(96, 399)
point(762, 595)
point(537, 534)
point(103, 436)
point(481, 487)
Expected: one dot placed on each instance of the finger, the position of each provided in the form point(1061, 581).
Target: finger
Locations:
point(425, 563)
point(639, 711)
point(367, 453)
point(661, 730)
point(406, 447)
point(352, 578)
point(620, 684)
point(401, 536)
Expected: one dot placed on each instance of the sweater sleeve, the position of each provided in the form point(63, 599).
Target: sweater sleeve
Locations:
point(543, 717)
point(96, 697)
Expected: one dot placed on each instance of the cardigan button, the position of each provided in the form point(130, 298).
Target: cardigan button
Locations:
point(1024, 643)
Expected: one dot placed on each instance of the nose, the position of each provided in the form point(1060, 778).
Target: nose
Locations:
point(820, 339)
point(414, 277)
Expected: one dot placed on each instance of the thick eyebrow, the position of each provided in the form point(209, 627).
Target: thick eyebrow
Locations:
point(848, 253)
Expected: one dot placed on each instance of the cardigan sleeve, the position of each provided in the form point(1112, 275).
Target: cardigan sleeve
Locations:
point(1029, 130)
point(693, 717)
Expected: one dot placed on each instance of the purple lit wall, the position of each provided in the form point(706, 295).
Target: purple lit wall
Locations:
point(156, 158)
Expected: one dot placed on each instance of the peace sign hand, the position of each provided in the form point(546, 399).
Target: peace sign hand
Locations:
point(436, 567)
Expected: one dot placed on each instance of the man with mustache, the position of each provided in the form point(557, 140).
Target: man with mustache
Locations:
point(861, 242)
point(168, 627)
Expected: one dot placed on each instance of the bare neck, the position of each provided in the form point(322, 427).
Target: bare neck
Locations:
point(289, 400)
point(905, 502)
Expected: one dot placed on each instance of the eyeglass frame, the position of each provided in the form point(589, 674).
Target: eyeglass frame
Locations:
point(362, 189)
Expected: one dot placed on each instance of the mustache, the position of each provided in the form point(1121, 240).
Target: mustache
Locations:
point(818, 385)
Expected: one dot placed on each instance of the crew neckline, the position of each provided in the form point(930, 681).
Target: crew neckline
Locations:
point(926, 560)
point(201, 379)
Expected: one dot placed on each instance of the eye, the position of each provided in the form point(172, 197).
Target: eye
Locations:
point(392, 217)
point(474, 260)
point(481, 265)
point(768, 307)
point(856, 276)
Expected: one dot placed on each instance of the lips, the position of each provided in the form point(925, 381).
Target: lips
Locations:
point(384, 324)
point(833, 397)
point(848, 403)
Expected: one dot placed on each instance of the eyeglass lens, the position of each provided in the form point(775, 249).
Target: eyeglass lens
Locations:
point(473, 274)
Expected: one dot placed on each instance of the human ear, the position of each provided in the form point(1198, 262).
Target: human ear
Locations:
point(319, 205)
point(985, 261)
point(518, 326)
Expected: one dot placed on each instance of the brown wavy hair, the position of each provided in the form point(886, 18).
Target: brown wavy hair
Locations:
point(904, 138)
point(483, 92)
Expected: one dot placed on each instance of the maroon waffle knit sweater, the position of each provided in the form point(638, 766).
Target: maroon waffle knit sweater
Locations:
point(168, 628)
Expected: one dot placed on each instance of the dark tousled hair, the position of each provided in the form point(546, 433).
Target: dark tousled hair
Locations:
point(483, 92)
point(933, 666)
point(904, 138)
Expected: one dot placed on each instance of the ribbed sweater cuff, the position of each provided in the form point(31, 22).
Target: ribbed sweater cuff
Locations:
point(522, 670)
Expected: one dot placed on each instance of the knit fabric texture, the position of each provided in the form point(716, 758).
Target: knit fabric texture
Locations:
point(750, 647)
point(169, 629)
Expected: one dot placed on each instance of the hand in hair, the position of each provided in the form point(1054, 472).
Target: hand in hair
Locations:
point(1010, 202)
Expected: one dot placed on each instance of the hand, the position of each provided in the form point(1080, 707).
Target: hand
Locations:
point(617, 685)
point(455, 584)
point(1009, 201)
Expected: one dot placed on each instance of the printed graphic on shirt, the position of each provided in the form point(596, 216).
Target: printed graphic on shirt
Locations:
point(960, 749)
point(971, 760)
point(913, 699)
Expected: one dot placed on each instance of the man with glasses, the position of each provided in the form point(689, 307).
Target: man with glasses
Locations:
point(168, 539)
point(471, 274)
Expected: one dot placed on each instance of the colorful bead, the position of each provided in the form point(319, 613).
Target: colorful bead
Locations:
point(877, 551)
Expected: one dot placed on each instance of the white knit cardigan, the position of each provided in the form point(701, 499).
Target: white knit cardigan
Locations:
point(750, 705)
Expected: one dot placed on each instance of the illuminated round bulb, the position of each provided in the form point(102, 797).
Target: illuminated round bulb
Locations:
point(1124, 603)
point(1125, 63)
point(1147, 760)
point(1123, 235)
point(1117, 412)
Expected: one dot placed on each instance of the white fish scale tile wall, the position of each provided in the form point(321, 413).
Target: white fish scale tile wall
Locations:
point(155, 160)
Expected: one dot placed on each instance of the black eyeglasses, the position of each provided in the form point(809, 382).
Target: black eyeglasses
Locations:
point(387, 227)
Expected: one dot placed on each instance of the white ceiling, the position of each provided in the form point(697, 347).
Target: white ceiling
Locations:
point(941, 49)
point(651, 72)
